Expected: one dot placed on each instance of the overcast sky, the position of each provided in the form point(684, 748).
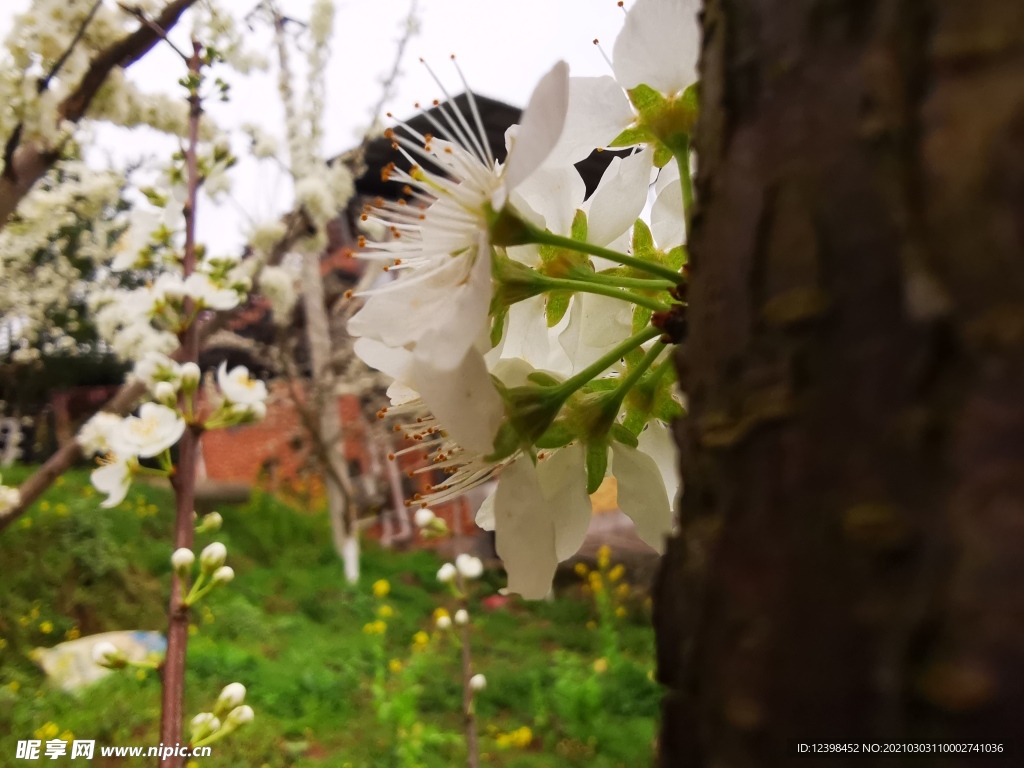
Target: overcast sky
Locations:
point(503, 47)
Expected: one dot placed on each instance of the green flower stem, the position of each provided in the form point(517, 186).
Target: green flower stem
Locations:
point(151, 471)
point(585, 286)
point(685, 179)
point(144, 664)
point(630, 380)
point(641, 283)
point(543, 237)
point(573, 383)
point(165, 461)
point(194, 593)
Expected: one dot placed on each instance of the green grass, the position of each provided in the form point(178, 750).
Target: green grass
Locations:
point(291, 630)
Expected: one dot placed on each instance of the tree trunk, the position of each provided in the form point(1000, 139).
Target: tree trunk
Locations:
point(318, 335)
point(851, 558)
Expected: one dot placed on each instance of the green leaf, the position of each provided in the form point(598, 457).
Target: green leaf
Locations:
point(597, 464)
point(578, 231)
point(498, 326)
point(623, 435)
point(543, 379)
point(556, 306)
point(636, 134)
point(505, 443)
point(677, 257)
point(647, 101)
point(557, 435)
point(643, 242)
point(662, 155)
point(641, 318)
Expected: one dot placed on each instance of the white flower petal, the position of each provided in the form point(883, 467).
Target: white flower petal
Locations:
point(555, 194)
point(596, 325)
point(620, 197)
point(541, 126)
point(642, 494)
point(463, 399)
point(668, 221)
point(658, 45)
point(658, 443)
point(598, 112)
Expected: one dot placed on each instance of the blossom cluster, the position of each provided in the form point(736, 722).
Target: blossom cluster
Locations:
point(122, 441)
point(524, 327)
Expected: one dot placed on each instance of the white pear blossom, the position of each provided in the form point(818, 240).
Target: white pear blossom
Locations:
point(444, 622)
point(238, 385)
point(469, 567)
point(113, 477)
point(208, 294)
point(154, 430)
point(439, 305)
point(94, 436)
point(155, 368)
point(190, 376)
point(447, 573)
point(477, 683)
point(239, 716)
point(223, 575)
point(461, 617)
point(277, 285)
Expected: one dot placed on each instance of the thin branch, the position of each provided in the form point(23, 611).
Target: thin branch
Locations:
point(145, 20)
point(45, 82)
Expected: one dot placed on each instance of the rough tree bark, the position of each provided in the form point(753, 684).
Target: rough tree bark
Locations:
point(850, 557)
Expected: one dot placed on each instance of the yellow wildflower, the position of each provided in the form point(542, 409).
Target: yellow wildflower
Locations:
point(596, 583)
point(44, 506)
point(140, 674)
point(14, 686)
point(72, 634)
point(421, 639)
point(88, 491)
point(620, 611)
point(377, 627)
point(395, 665)
point(24, 621)
point(381, 588)
point(59, 482)
point(67, 736)
point(193, 629)
point(34, 613)
point(385, 611)
point(48, 731)
point(581, 570)
point(46, 627)
point(441, 612)
point(601, 666)
point(622, 590)
point(604, 556)
point(616, 573)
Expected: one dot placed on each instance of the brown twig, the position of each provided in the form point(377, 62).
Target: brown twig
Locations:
point(43, 84)
point(184, 478)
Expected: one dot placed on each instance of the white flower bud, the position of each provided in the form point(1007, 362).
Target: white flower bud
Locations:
point(470, 567)
point(461, 617)
point(444, 622)
point(106, 654)
point(477, 682)
point(190, 375)
point(258, 411)
point(424, 517)
point(231, 697)
point(204, 724)
point(446, 574)
point(164, 392)
point(211, 522)
point(182, 560)
point(223, 575)
point(239, 716)
point(213, 557)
